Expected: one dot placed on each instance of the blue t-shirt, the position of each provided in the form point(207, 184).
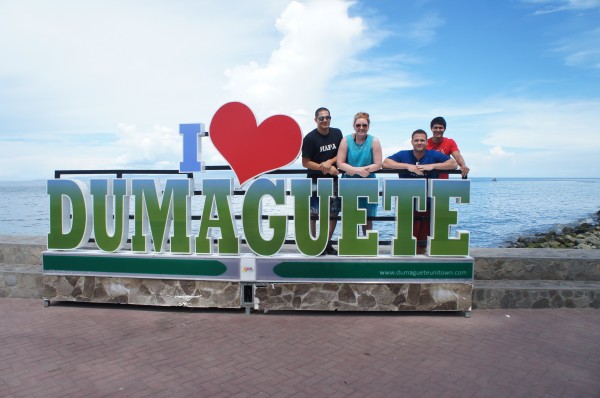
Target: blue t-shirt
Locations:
point(408, 156)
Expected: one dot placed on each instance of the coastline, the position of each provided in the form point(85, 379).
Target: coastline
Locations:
point(583, 236)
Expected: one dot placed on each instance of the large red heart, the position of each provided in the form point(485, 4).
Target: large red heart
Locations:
point(252, 150)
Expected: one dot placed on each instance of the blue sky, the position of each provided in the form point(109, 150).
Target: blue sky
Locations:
point(105, 84)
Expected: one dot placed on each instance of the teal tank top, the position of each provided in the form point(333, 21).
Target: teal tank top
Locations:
point(359, 155)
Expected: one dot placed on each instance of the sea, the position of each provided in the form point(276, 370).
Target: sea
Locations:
point(500, 209)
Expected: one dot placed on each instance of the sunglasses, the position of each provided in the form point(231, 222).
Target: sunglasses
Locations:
point(321, 118)
point(364, 126)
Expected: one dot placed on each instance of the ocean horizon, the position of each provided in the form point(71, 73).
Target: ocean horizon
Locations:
point(500, 209)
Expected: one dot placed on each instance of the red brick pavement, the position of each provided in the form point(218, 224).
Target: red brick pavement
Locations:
point(124, 351)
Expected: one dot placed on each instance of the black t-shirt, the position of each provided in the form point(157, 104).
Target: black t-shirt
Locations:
point(319, 148)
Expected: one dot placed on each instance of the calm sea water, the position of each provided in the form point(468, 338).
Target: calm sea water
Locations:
point(499, 210)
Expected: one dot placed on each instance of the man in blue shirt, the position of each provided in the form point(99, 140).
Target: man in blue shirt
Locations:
point(420, 163)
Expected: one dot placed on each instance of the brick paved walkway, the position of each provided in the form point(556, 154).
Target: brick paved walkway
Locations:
point(123, 351)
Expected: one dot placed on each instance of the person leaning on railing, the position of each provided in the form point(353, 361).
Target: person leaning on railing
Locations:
point(319, 156)
point(445, 145)
point(420, 163)
point(360, 157)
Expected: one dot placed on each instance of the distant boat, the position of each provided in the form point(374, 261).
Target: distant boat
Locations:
point(493, 179)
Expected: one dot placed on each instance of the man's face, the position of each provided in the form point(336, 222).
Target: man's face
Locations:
point(419, 142)
point(323, 119)
point(438, 131)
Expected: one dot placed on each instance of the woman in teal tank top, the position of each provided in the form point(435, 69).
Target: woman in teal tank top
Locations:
point(360, 156)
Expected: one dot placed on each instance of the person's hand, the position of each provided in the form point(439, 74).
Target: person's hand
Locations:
point(464, 171)
point(325, 166)
point(363, 172)
point(425, 167)
point(416, 169)
point(333, 171)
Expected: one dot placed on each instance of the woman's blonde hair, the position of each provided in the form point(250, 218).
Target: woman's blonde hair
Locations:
point(363, 115)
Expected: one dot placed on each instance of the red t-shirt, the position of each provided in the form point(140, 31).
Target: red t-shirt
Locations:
point(447, 147)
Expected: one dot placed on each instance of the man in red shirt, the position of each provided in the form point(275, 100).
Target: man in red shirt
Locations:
point(447, 146)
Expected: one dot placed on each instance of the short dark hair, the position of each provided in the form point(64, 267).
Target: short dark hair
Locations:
point(419, 131)
point(438, 120)
point(320, 110)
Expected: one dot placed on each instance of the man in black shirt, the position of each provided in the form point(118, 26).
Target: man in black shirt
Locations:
point(319, 154)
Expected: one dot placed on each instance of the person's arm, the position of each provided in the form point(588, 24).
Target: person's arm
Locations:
point(309, 164)
point(392, 164)
point(308, 152)
point(449, 164)
point(341, 158)
point(325, 167)
point(328, 166)
point(461, 163)
point(377, 157)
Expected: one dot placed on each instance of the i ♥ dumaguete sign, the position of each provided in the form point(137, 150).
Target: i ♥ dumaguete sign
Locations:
point(162, 212)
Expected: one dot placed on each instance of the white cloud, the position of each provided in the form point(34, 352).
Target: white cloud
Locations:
point(424, 31)
point(98, 63)
point(71, 66)
point(581, 50)
point(543, 124)
point(579, 43)
point(317, 38)
point(528, 138)
point(154, 147)
point(498, 152)
point(552, 6)
point(31, 159)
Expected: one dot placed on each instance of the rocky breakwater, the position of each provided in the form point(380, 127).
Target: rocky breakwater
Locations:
point(583, 236)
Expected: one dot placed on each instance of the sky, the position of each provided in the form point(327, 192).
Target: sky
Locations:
point(105, 84)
